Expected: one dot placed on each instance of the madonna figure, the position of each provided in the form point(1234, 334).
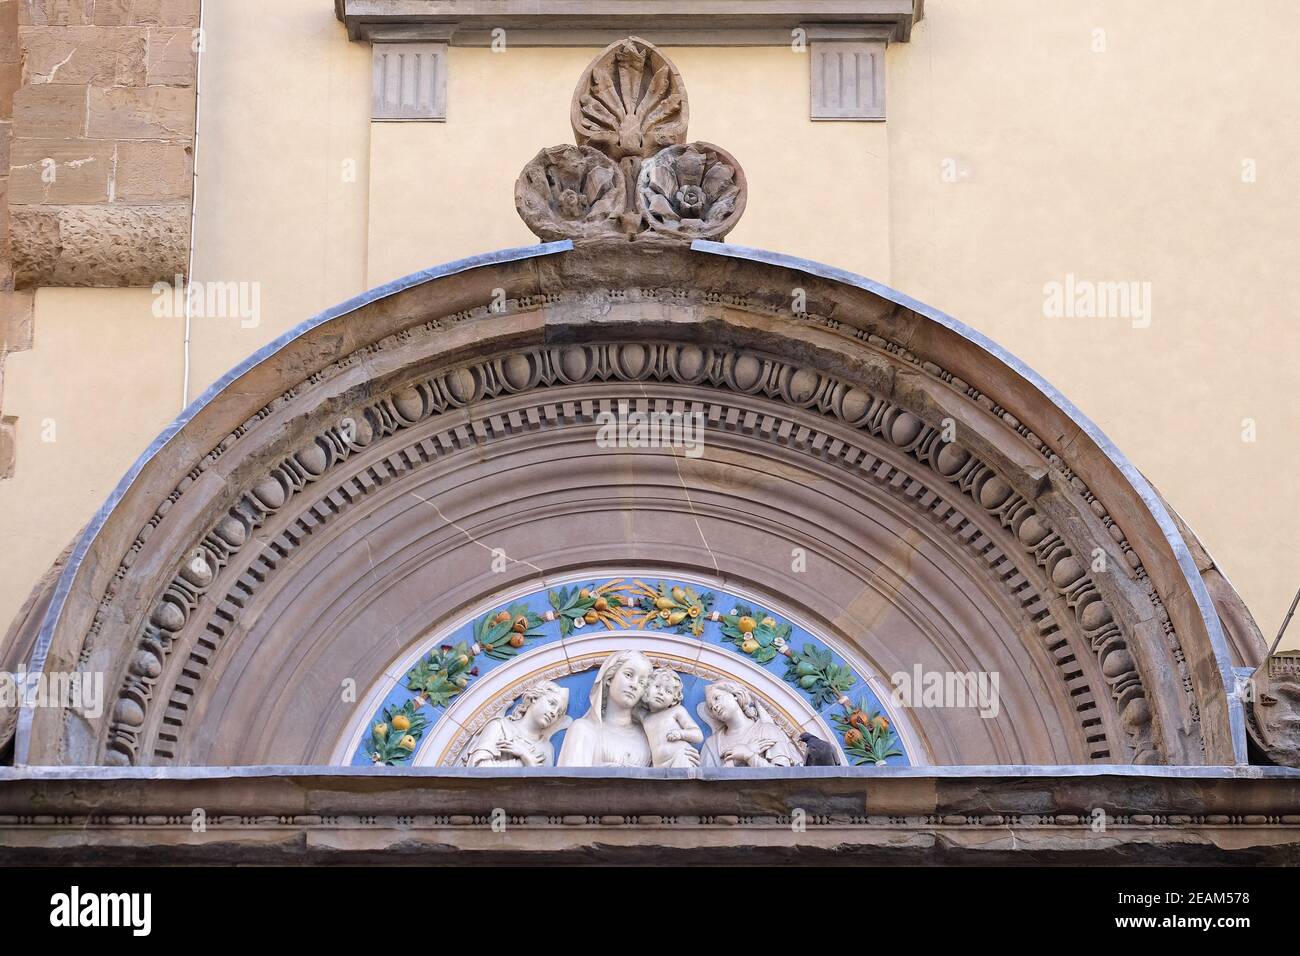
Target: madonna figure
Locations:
point(609, 734)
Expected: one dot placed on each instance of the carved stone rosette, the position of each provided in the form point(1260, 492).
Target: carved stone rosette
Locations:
point(632, 174)
point(696, 191)
point(571, 192)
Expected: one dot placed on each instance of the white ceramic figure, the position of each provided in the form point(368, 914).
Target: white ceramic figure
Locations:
point(609, 734)
point(524, 738)
point(668, 726)
point(744, 733)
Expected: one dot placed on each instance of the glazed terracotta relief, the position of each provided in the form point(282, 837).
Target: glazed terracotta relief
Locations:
point(628, 671)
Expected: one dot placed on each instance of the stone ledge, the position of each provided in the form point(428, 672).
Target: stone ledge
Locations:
point(908, 815)
point(101, 246)
point(601, 22)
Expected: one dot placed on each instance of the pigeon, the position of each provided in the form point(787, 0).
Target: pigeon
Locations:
point(820, 753)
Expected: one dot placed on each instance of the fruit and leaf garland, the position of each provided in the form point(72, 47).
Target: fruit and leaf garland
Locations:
point(867, 734)
point(441, 675)
point(755, 632)
point(393, 739)
point(678, 607)
point(603, 605)
point(813, 669)
point(502, 633)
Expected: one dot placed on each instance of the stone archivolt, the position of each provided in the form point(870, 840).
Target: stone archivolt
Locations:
point(843, 397)
point(1064, 606)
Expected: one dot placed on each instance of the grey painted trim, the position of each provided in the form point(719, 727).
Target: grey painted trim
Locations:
point(1009, 771)
point(22, 740)
point(1137, 481)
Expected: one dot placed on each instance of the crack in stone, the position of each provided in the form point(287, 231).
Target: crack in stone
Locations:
point(473, 540)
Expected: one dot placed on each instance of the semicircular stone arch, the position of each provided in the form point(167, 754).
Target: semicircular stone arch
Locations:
point(393, 464)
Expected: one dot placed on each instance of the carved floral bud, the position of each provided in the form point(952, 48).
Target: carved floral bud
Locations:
point(691, 201)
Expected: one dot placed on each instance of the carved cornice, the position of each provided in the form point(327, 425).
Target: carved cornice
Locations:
point(600, 22)
point(959, 814)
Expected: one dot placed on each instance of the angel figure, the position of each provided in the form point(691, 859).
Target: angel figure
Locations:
point(745, 734)
point(524, 738)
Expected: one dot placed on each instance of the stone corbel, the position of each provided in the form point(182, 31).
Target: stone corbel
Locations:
point(846, 42)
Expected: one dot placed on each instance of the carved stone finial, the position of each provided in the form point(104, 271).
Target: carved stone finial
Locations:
point(631, 101)
point(1273, 712)
point(632, 174)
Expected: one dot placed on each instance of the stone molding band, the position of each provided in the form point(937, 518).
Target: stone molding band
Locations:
point(940, 815)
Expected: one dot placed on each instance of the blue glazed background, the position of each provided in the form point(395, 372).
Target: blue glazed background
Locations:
point(579, 685)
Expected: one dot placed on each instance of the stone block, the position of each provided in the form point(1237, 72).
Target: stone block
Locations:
point(112, 13)
point(8, 443)
point(106, 246)
point(60, 171)
point(56, 13)
point(154, 112)
point(152, 172)
point(6, 137)
point(10, 81)
point(15, 321)
point(408, 81)
point(848, 80)
point(9, 31)
point(49, 110)
point(171, 58)
point(102, 56)
point(166, 13)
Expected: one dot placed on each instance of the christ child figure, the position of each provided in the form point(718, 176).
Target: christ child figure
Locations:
point(667, 725)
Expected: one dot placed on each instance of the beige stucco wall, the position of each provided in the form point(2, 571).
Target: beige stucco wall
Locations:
point(101, 380)
point(1116, 165)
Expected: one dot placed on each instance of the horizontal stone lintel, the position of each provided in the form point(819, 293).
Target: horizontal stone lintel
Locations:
point(601, 22)
point(936, 815)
